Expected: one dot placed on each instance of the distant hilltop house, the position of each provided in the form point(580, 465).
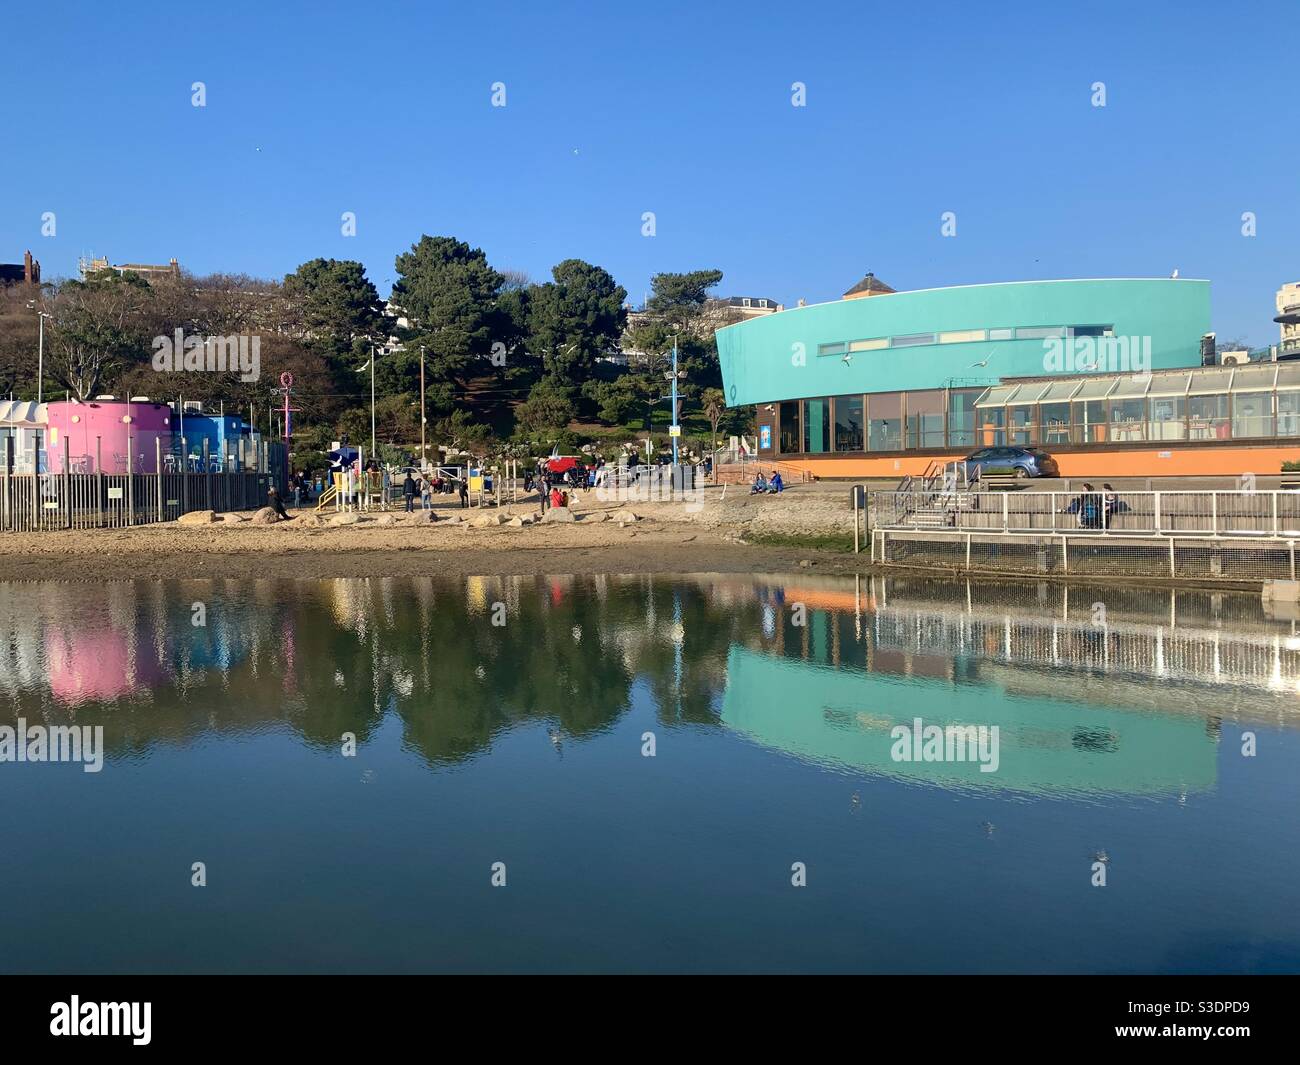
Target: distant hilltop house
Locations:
point(148, 271)
point(1288, 318)
point(27, 272)
point(746, 306)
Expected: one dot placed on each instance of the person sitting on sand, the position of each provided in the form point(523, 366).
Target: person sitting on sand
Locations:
point(557, 497)
point(776, 485)
point(274, 501)
point(759, 486)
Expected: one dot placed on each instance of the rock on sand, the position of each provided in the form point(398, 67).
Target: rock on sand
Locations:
point(197, 517)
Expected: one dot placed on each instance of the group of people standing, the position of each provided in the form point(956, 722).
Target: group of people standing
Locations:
point(419, 484)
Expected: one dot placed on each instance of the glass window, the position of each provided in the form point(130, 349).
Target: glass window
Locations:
point(997, 396)
point(961, 336)
point(1288, 376)
point(1001, 334)
point(990, 426)
point(1128, 420)
point(1022, 427)
point(1169, 384)
point(874, 344)
point(885, 421)
point(1060, 390)
point(1207, 417)
point(816, 426)
point(1288, 414)
point(1039, 332)
point(1210, 382)
point(1168, 418)
point(1252, 414)
point(848, 423)
point(1089, 420)
point(912, 340)
point(1091, 330)
point(925, 419)
point(1054, 423)
point(832, 349)
point(961, 417)
point(1254, 379)
point(1096, 388)
point(789, 437)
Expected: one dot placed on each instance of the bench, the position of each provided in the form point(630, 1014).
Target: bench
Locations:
point(1002, 482)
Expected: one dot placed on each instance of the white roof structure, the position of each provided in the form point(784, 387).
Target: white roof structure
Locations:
point(22, 413)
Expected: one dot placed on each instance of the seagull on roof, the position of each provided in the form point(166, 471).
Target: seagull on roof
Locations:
point(985, 360)
point(1174, 274)
point(847, 359)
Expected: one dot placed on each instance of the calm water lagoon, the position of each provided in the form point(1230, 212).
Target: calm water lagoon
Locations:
point(771, 704)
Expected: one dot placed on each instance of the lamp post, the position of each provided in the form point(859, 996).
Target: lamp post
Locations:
point(40, 351)
point(423, 458)
point(372, 401)
point(674, 424)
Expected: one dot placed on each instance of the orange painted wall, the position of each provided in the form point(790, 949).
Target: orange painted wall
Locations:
point(1098, 462)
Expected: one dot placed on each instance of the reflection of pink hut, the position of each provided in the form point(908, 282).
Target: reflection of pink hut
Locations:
point(102, 427)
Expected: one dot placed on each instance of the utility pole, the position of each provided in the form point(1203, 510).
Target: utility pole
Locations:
point(423, 458)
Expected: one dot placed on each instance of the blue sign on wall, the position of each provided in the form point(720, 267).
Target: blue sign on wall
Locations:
point(764, 437)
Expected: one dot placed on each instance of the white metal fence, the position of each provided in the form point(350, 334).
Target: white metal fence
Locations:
point(1180, 513)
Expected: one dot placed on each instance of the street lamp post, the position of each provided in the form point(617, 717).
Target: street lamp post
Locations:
point(372, 401)
point(423, 459)
point(674, 424)
point(40, 351)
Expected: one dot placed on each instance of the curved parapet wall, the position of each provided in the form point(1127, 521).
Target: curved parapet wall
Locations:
point(797, 353)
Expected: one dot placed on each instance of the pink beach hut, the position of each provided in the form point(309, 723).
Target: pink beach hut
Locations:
point(98, 431)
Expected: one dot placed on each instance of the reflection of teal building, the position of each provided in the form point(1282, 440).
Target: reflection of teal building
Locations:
point(844, 717)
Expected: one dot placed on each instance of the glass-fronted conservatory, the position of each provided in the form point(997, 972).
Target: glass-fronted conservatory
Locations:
point(1215, 403)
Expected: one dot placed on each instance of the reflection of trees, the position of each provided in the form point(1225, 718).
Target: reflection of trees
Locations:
point(327, 657)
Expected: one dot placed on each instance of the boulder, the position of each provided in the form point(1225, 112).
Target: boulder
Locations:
point(344, 519)
point(624, 516)
point(309, 521)
point(264, 516)
point(197, 517)
point(520, 520)
point(558, 515)
point(599, 515)
point(386, 519)
point(485, 521)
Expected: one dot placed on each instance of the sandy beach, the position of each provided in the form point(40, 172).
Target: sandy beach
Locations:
point(727, 534)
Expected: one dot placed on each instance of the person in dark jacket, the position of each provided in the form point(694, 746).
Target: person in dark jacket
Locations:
point(464, 494)
point(408, 491)
point(274, 501)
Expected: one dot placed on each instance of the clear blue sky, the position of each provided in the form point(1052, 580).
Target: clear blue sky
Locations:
point(681, 109)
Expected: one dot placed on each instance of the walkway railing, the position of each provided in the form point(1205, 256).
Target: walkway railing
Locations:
point(1211, 513)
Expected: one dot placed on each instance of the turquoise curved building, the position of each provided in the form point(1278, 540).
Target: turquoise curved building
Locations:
point(896, 374)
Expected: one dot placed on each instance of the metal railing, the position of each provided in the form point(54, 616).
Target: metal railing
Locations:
point(75, 499)
point(1211, 513)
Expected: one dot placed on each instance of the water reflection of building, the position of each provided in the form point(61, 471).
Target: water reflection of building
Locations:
point(844, 717)
point(1121, 695)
